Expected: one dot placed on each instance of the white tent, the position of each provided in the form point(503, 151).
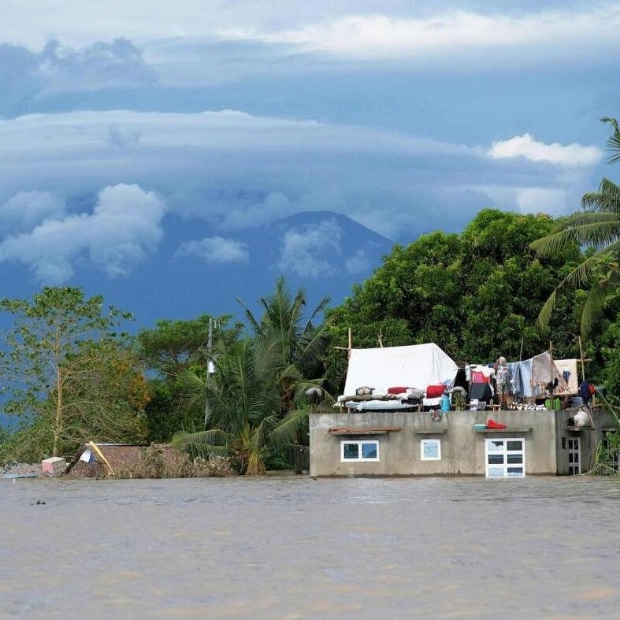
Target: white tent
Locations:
point(417, 366)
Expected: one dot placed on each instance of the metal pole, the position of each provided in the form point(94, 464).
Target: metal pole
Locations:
point(207, 380)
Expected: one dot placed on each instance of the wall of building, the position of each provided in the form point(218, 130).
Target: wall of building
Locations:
point(589, 437)
point(462, 448)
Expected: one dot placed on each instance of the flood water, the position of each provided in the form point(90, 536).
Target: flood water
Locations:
point(295, 548)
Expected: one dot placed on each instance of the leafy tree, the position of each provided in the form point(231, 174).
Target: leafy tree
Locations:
point(244, 407)
point(62, 366)
point(176, 351)
point(597, 227)
point(298, 341)
point(477, 295)
point(257, 400)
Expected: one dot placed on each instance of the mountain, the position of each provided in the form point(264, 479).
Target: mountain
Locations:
point(323, 252)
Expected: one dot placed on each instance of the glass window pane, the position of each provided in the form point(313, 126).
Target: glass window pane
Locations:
point(496, 472)
point(369, 450)
point(515, 471)
point(495, 445)
point(496, 459)
point(515, 458)
point(430, 449)
point(515, 444)
point(351, 451)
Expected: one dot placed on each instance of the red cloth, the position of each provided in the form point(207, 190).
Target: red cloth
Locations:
point(435, 391)
point(479, 377)
point(494, 424)
point(397, 390)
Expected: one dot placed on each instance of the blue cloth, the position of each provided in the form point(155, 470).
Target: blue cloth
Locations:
point(584, 392)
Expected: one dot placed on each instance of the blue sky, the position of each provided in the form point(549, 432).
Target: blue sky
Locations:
point(405, 116)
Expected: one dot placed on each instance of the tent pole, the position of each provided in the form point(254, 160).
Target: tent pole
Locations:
point(583, 362)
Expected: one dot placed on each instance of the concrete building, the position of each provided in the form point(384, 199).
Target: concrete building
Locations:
point(406, 443)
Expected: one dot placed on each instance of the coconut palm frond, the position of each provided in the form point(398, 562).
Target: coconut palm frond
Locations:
point(288, 429)
point(213, 438)
point(583, 229)
point(544, 316)
point(593, 307)
point(554, 243)
point(606, 199)
point(613, 142)
point(579, 276)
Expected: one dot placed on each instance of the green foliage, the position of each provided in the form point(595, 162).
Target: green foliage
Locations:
point(256, 402)
point(177, 352)
point(67, 374)
point(173, 347)
point(597, 228)
point(476, 295)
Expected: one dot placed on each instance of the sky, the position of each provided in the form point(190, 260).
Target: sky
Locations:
point(118, 119)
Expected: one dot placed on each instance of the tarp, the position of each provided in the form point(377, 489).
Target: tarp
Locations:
point(416, 366)
point(568, 370)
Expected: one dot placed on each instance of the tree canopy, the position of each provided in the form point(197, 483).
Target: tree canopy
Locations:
point(67, 374)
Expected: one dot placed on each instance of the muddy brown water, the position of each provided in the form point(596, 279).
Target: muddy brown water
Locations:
point(295, 548)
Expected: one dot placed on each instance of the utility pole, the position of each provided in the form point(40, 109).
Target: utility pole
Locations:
point(210, 370)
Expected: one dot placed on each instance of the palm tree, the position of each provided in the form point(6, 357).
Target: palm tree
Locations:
point(244, 407)
point(596, 227)
point(259, 399)
point(300, 342)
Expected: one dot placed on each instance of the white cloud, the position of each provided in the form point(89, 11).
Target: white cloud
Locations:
point(349, 28)
point(526, 146)
point(358, 263)
point(542, 200)
point(124, 227)
point(383, 36)
point(307, 252)
point(25, 210)
point(235, 170)
point(216, 250)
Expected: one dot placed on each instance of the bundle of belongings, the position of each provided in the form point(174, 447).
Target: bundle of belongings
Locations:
point(402, 378)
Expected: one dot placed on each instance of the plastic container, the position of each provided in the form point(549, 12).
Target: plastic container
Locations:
point(445, 403)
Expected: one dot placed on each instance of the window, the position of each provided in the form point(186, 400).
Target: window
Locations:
point(359, 450)
point(574, 456)
point(505, 458)
point(430, 449)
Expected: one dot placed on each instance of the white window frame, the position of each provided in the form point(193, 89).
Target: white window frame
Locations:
point(359, 443)
point(574, 451)
point(428, 442)
point(505, 466)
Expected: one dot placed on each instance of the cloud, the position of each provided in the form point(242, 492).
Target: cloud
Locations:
point(25, 210)
point(215, 250)
point(123, 228)
point(307, 252)
point(542, 200)
point(358, 263)
point(26, 75)
point(237, 171)
point(526, 146)
point(381, 35)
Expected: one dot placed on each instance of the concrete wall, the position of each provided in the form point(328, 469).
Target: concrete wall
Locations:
point(462, 448)
point(590, 437)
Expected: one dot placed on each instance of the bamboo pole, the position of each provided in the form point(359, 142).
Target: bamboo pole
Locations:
point(94, 446)
point(583, 361)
